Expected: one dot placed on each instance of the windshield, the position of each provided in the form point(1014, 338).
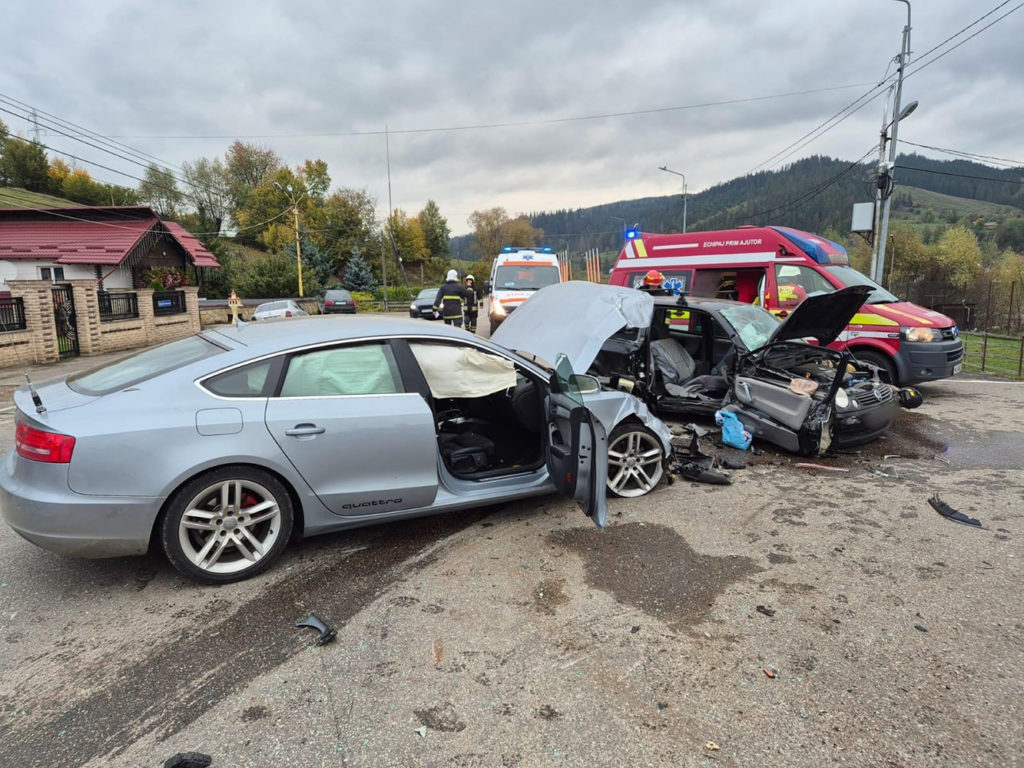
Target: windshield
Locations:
point(752, 324)
point(849, 276)
point(427, 293)
point(525, 278)
point(142, 366)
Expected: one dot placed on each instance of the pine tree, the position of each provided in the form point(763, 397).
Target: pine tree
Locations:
point(358, 276)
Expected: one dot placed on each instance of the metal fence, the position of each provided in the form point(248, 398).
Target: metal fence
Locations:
point(12, 313)
point(117, 306)
point(995, 354)
point(169, 302)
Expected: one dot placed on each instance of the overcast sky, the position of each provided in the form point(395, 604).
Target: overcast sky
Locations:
point(180, 79)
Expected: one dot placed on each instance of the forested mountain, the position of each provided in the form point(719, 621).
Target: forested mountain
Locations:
point(815, 194)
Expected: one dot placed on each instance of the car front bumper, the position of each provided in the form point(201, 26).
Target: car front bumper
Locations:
point(928, 361)
point(37, 504)
point(856, 426)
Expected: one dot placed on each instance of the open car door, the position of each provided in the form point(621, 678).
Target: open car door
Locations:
point(576, 443)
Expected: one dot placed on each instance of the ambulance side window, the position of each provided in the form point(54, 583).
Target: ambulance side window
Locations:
point(794, 283)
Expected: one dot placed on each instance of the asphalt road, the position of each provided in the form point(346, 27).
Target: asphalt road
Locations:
point(798, 617)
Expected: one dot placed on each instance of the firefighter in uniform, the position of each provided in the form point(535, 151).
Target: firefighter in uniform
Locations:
point(449, 300)
point(654, 284)
point(472, 303)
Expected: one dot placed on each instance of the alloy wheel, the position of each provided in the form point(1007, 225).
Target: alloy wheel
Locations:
point(634, 462)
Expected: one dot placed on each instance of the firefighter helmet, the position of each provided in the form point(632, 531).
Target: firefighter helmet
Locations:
point(470, 279)
point(653, 279)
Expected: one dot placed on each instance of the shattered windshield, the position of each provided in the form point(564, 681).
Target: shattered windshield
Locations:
point(530, 277)
point(752, 324)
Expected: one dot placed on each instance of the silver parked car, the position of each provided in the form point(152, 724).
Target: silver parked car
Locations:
point(271, 310)
point(222, 447)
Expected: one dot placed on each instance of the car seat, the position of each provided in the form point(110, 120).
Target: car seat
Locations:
point(674, 363)
point(466, 453)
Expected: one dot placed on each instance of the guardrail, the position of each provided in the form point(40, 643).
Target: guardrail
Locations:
point(117, 306)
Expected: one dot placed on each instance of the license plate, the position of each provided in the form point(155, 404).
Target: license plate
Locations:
point(957, 368)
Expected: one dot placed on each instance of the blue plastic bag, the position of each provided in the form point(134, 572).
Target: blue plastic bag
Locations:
point(733, 433)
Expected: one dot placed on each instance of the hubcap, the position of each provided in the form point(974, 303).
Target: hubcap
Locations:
point(229, 526)
point(634, 464)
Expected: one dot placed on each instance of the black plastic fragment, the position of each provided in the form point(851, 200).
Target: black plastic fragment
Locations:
point(188, 760)
point(951, 514)
point(766, 610)
point(327, 632)
point(693, 471)
point(910, 398)
point(919, 628)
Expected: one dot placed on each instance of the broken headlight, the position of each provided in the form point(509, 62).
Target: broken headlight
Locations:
point(843, 399)
point(920, 334)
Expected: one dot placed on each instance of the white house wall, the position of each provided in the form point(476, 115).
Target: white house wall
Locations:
point(30, 269)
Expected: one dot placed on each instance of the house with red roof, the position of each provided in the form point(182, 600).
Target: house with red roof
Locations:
point(114, 245)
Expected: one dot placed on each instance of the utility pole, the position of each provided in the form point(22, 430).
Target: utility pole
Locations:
point(881, 235)
point(677, 173)
point(288, 190)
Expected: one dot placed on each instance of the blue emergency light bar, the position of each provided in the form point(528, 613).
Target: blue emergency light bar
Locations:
point(509, 249)
point(633, 234)
point(547, 249)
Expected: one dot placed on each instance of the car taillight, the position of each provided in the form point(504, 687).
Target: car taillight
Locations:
point(328, 303)
point(351, 303)
point(37, 445)
point(288, 313)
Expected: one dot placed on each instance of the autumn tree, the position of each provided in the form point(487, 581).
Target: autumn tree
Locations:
point(493, 229)
point(436, 233)
point(24, 164)
point(959, 256)
point(159, 190)
point(207, 191)
point(407, 236)
point(248, 166)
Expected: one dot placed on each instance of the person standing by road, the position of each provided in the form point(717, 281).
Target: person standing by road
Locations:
point(472, 303)
point(449, 299)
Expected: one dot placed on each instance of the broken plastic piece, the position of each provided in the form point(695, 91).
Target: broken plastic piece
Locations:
point(766, 610)
point(188, 760)
point(727, 462)
point(948, 512)
point(695, 472)
point(422, 730)
point(822, 467)
point(327, 632)
point(919, 628)
point(711, 746)
point(910, 398)
point(769, 672)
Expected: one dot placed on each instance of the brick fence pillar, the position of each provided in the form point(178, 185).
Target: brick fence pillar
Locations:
point(144, 297)
point(39, 319)
point(192, 306)
point(87, 315)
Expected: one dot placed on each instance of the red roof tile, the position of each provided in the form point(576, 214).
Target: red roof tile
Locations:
point(201, 257)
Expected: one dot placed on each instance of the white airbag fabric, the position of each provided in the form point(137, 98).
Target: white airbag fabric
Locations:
point(574, 319)
point(458, 371)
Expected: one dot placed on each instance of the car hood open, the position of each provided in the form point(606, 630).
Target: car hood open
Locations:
point(822, 316)
point(575, 319)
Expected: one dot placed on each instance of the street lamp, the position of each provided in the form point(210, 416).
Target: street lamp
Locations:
point(885, 181)
point(287, 189)
point(677, 173)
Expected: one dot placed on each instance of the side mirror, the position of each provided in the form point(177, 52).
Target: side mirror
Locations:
point(487, 287)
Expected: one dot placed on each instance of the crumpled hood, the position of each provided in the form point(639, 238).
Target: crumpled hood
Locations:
point(575, 319)
point(823, 316)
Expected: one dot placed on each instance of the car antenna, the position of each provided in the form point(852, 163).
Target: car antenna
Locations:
point(37, 401)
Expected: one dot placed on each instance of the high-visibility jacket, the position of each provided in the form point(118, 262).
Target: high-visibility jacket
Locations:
point(472, 299)
point(449, 300)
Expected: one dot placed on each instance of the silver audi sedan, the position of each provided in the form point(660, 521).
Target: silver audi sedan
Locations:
point(223, 447)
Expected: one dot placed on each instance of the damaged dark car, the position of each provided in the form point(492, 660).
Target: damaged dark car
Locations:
point(691, 357)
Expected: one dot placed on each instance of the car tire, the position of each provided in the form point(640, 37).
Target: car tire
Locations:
point(887, 371)
point(209, 546)
point(635, 461)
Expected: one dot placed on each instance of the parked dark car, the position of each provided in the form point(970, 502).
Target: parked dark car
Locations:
point(423, 304)
point(695, 356)
point(337, 300)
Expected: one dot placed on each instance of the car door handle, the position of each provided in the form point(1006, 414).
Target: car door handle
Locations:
point(304, 430)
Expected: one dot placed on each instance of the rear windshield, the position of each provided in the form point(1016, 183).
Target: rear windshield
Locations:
point(271, 306)
point(338, 295)
point(141, 366)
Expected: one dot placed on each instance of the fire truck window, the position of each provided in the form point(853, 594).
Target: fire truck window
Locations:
point(794, 283)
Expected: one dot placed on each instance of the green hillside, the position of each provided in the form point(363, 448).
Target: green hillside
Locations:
point(922, 205)
point(15, 197)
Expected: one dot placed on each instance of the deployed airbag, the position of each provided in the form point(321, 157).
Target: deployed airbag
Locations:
point(458, 371)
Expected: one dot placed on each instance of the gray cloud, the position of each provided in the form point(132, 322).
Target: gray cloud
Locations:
point(233, 68)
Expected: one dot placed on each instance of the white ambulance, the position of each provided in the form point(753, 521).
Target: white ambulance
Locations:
point(517, 273)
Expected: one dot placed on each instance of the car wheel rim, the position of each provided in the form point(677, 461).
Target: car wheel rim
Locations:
point(229, 526)
point(634, 464)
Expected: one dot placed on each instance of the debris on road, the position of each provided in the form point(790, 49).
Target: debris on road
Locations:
point(733, 433)
point(919, 628)
point(422, 730)
point(951, 514)
point(766, 610)
point(188, 760)
point(691, 471)
point(711, 746)
point(769, 672)
point(820, 467)
point(327, 632)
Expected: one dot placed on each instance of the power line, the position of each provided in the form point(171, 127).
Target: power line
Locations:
point(54, 212)
point(509, 124)
point(961, 175)
point(970, 37)
point(968, 155)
